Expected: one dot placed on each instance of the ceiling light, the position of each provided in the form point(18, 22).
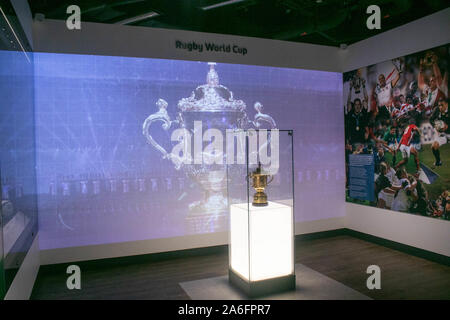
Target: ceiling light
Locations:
point(141, 17)
point(221, 4)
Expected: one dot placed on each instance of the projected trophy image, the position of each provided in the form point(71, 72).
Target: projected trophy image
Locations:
point(132, 149)
point(204, 118)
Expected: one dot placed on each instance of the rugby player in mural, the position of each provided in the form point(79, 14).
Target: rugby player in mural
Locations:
point(407, 146)
point(358, 85)
point(390, 142)
point(431, 88)
point(408, 116)
point(440, 121)
point(383, 93)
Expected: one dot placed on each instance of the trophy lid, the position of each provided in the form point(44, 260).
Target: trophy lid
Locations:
point(211, 96)
point(258, 171)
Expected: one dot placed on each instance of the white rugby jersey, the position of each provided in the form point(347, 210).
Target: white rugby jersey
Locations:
point(384, 94)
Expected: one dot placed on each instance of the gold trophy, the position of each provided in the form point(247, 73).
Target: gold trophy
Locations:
point(260, 182)
point(430, 59)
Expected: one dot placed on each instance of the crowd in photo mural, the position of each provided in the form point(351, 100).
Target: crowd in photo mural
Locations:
point(397, 111)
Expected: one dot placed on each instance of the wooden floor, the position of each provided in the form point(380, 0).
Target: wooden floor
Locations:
point(342, 258)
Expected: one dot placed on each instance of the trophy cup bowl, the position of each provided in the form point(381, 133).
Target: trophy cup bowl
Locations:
point(213, 105)
point(429, 59)
point(211, 178)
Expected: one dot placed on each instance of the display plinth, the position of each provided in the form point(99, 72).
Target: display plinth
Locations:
point(261, 260)
point(263, 287)
point(261, 242)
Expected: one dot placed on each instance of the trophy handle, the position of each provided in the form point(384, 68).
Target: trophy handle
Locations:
point(261, 117)
point(398, 64)
point(162, 116)
point(271, 179)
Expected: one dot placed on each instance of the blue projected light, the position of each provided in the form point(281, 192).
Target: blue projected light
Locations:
point(101, 181)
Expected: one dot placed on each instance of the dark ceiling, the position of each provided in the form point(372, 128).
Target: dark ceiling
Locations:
point(327, 22)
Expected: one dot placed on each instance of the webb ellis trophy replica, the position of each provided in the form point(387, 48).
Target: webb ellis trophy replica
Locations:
point(210, 105)
point(260, 182)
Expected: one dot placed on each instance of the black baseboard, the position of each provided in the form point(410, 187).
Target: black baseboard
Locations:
point(414, 251)
point(136, 259)
point(223, 249)
point(263, 287)
point(320, 235)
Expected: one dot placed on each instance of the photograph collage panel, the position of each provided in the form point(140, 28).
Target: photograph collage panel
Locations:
point(397, 111)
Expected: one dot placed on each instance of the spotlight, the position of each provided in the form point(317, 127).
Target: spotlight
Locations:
point(221, 4)
point(141, 17)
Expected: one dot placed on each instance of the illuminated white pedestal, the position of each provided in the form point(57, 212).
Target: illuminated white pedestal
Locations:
point(261, 248)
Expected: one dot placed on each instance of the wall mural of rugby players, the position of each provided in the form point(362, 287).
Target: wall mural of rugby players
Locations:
point(397, 110)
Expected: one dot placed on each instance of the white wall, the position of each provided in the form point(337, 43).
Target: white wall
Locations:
point(113, 250)
point(417, 231)
point(428, 32)
point(422, 232)
point(130, 41)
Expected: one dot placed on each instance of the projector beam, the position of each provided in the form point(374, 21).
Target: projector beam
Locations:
point(138, 18)
point(221, 4)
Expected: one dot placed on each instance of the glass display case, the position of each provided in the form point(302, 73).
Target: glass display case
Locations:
point(261, 203)
point(18, 211)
